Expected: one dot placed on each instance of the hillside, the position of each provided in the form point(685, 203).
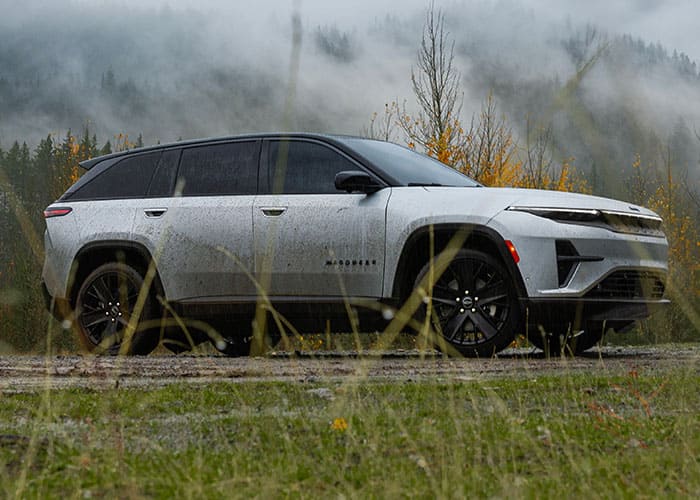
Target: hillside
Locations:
point(170, 73)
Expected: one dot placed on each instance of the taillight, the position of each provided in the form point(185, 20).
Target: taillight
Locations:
point(56, 212)
point(513, 251)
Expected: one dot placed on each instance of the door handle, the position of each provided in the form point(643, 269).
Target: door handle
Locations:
point(155, 212)
point(273, 211)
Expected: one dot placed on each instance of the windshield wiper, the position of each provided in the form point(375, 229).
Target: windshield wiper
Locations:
point(435, 184)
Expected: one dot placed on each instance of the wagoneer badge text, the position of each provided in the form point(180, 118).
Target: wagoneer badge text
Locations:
point(354, 262)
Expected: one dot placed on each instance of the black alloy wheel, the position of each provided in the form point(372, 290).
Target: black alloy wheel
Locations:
point(474, 307)
point(104, 307)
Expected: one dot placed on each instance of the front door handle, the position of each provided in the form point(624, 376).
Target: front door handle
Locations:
point(154, 213)
point(273, 211)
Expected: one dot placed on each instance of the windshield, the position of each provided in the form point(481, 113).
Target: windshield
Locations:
point(407, 167)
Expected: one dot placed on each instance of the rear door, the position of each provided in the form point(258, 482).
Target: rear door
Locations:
point(198, 223)
point(311, 239)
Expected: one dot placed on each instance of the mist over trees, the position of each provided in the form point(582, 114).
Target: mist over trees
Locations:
point(178, 73)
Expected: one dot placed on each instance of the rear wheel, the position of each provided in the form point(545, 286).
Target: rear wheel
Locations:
point(474, 307)
point(234, 347)
point(238, 336)
point(105, 305)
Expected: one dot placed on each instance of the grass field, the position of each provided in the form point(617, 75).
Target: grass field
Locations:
point(624, 434)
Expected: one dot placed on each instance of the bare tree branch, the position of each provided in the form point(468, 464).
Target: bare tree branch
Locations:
point(435, 85)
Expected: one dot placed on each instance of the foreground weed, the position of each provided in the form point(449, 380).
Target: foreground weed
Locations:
point(622, 434)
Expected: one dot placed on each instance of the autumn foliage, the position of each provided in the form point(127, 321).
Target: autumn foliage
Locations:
point(30, 181)
point(486, 149)
point(654, 183)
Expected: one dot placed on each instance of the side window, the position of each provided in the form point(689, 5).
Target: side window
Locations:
point(301, 167)
point(220, 169)
point(128, 178)
point(163, 182)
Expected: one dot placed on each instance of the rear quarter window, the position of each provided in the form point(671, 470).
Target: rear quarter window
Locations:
point(127, 178)
point(163, 182)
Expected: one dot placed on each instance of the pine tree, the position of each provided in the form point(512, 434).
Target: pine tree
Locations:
point(13, 168)
point(88, 145)
point(26, 179)
point(44, 169)
point(67, 158)
point(106, 149)
point(109, 82)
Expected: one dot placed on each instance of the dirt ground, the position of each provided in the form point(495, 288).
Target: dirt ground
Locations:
point(28, 373)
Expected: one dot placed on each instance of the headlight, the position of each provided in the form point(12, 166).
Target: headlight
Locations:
point(620, 222)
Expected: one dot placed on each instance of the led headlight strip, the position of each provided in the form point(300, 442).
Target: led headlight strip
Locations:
point(621, 222)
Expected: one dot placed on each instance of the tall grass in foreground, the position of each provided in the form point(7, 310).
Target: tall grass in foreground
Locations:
point(617, 434)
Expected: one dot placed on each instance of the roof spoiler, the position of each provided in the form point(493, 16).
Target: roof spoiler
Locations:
point(88, 164)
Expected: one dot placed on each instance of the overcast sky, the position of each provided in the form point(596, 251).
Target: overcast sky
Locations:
point(524, 38)
point(674, 23)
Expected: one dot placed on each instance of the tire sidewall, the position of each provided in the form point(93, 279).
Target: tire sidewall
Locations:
point(505, 335)
point(144, 340)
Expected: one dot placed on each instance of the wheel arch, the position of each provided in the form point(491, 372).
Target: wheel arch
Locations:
point(96, 253)
point(416, 252)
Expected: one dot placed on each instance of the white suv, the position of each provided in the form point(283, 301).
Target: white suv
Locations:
point(186, 241)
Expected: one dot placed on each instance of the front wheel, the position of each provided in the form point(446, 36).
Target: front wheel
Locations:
point(105, 305)
point(473, 308)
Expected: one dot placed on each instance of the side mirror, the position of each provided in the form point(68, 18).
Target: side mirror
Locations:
point(354, 181)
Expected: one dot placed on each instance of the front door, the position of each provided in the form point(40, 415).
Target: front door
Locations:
point(311, 239)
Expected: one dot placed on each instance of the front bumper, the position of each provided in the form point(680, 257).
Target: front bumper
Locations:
point(597, 254)
point(551, 311)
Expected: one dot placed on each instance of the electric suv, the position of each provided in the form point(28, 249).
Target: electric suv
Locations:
point(241, 238)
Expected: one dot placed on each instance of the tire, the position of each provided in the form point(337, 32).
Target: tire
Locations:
point(234, 348)
point(104, 304)
point(238, 338)
point(562, 339)
point(474, 306)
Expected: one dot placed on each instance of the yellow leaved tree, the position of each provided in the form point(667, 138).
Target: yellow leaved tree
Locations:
point(655, 184)
point(486, 150)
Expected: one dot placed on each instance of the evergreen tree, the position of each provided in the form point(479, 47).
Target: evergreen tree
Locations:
point(67, 157)
point(88, 145)
point(13, 168)
point(109, 82)
point(106, 149)
point(26, 179)
point(44, 169)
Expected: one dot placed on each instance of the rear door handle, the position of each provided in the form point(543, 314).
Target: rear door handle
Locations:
point(154, 213)
point(273, 211)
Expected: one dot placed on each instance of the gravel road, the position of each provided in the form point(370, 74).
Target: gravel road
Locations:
point(29, 373)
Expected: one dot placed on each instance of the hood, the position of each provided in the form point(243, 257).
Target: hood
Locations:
point(561, 199)
point(536, 198)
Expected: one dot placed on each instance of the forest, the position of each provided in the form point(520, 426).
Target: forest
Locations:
point(572, 108)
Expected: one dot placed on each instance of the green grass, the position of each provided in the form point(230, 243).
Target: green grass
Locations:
point(567, 435)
